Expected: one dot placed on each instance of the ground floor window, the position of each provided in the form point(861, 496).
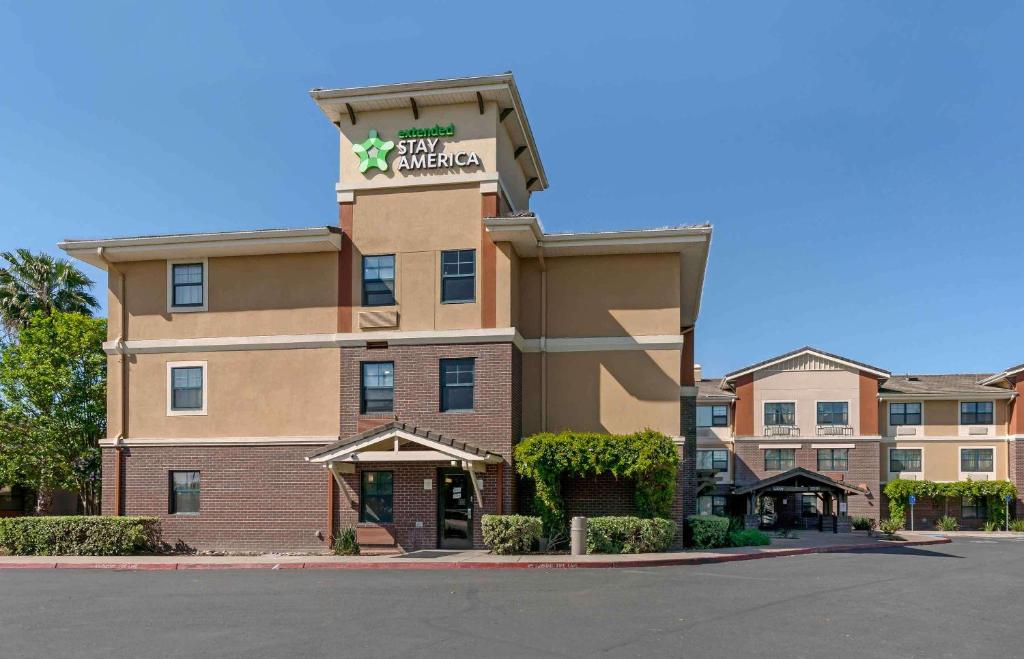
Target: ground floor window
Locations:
point(833, 459)
point(711, 505)
point(184, 492)
point(904, 459)
point(12, 499)
point(376, 497)
point(972, 508)
point(779, 459)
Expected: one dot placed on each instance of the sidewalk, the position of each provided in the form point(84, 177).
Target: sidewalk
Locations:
point(808, 543)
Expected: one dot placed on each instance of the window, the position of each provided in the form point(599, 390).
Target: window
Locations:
point(834, 414)
point(779, 459)
point(904, 414)
point(12, 499)
point(833, 459)
point(976, 414)
point(711, 505)
point(184, 493)
point(712, 416)
point(717, 460)
point(188, 286)
point(808, 505)
point(457, 385)
point(976, 459)
point(972, 508)
point(378, 280)
point(376, 495)
point(780, 414)
point(186, 388)
point(904, 459)
point(458, 276)
point(377, 387)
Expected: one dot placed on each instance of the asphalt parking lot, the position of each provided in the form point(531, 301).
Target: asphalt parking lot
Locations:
point(957, 600)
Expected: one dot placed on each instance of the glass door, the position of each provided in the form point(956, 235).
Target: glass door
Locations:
point(455, 510)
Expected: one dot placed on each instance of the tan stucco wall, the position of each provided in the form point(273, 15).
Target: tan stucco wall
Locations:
point(941, 418)
point(260, 393)
point(416, 226)
point(806, 388)
point(602, 295)
point(512, 177)
point(248, 296)
point(614, 391)
point(941, 460)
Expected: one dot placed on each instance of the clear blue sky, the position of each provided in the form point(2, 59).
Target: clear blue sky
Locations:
point(862, 162)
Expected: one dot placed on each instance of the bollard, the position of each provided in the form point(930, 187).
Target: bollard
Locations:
point(578, 536)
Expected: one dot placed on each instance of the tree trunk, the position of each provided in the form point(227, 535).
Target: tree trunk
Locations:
point(44, 502)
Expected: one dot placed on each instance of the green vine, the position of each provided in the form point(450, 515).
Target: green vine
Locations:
point(647, 457)
point(993, 492)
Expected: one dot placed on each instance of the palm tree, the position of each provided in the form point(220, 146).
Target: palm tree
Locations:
point(31, 283)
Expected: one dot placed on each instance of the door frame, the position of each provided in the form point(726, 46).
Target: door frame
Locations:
point(439, 503)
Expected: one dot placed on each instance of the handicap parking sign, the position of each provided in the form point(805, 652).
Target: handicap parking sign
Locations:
point(912, 499)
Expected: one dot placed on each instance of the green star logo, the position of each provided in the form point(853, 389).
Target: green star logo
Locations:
point(373, 152)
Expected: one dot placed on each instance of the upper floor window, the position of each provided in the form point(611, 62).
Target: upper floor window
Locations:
point(379, 280)
point(183, 497)
point(711, 505)
point(779, 459)
point(834, 414)
point(904, 459)
point(377, 387)
point(457, 377)
point(780, 414)
point(712, 416)
point(977, 459)
point(904, 414)
point(976, 414)
point(186, 285)
point(833, 459)
point(186, 388)
point(458, 276)
point(717, 460)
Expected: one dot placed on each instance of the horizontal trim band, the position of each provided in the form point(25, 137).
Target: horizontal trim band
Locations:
point(966, 439)
point(814, 438)
point(833, 446)
point(599, 343)
point(217, 441)
point(780, 446)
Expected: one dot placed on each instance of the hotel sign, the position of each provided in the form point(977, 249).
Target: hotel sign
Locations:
point(418, 149)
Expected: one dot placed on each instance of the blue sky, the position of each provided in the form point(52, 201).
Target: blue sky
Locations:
point(862, 162)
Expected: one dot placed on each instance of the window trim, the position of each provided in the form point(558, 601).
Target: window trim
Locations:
point(362, 387)
point(362, 497)
point(832, 449)
point(817, 421)
point(960, 413)
point(712, 451)
point(960, 460)
point(171, 509)
point(171, 308)
point(394, 281)
point(764, 416)
point(888, 459)
point(888, 415)
point(781, 469)
point(441, 386)
point(443, 276)
point(169, 382)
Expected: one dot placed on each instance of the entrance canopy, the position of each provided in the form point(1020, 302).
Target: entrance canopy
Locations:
point(799, 479)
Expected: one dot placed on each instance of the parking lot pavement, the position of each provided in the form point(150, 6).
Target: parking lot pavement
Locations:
point(954, 600)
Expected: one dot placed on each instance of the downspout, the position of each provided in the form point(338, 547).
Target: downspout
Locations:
point(122, 352)
point(543, 341)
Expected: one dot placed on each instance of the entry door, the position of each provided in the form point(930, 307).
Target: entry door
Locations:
point(455, 510)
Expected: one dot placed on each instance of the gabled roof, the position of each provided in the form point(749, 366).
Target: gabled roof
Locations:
point(797, 473)
point(395, 427)
point(1003, 375)
point(936, 386)
point(868, 368)
point(710, 389)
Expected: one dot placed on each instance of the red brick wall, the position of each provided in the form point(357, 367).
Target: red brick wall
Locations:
point(864, 469)
point(598, 496)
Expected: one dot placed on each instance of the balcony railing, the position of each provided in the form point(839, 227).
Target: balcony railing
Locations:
point(834, 431)
point(781, 431)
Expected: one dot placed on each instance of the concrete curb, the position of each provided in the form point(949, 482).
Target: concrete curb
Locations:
point(405, 564)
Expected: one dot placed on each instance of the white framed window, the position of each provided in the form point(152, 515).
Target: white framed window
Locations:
point(187, 388)
point(188, 288)
point(977, 462)
point(905, 418)
point(712, 416)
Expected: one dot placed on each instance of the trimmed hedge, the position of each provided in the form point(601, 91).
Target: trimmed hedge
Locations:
point(749, 538)
point(629, 535)
point(78, 536)
point(708, 531)
point(510, 534)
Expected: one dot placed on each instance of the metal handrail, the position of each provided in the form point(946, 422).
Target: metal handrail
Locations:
point(781, 431)
point(834, 431)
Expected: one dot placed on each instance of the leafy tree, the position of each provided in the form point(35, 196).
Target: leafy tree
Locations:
point(39, 283)
point(53, 406)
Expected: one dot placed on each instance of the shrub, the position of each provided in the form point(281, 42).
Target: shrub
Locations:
point(345, 543)
point(510, 534)
point(749, 538)
point(862, 523)
point(1017, 525)
point(708, 531)
point(990, 527)
point(891, 526)
point(629, 535)
point(78, 535)
point(947, 523)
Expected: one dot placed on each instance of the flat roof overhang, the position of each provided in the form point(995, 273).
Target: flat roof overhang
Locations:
point(188, 245)
point(346, 104)
point(692, 243)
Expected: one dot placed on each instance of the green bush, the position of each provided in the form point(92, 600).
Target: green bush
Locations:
point(1017, 525)
point(629, 535)
point(510, 534)
point(748, 538)
point(78, 535)
point(345, 543)
point(891, 526)
point(947, 523)
point(862, 523)
point(990, 527)
point(708, 531)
